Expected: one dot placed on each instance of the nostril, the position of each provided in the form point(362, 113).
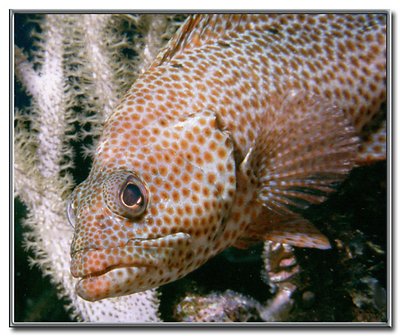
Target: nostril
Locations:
point(107, 221)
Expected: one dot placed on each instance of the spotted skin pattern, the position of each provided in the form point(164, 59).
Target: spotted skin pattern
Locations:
point(239, 122)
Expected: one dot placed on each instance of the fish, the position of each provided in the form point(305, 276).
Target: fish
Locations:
point(241, 122)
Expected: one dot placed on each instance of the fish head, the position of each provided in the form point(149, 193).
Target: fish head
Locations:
point(156, 217)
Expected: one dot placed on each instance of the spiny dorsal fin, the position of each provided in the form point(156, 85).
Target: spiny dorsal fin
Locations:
point(305, 146)
point(196, 31)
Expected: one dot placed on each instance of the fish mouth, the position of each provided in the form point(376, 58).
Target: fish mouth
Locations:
point(138, 252)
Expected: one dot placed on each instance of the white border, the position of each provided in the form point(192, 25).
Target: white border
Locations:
point(172, 5)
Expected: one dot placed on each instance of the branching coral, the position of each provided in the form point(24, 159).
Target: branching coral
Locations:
point(75, 73)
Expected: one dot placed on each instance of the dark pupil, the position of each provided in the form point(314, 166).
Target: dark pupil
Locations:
point(132, 195)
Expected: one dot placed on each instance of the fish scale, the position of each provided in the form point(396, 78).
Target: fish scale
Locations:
point(241, 121)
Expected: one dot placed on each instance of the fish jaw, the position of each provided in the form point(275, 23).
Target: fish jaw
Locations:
point(124, 270)
point(110, 284)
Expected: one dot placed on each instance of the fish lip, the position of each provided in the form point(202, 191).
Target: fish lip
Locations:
point(109, 269)
point(154, 247)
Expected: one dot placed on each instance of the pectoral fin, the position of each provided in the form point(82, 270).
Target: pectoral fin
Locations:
point(305, 147)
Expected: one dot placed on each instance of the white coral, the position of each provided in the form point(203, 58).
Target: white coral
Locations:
point(77, 62)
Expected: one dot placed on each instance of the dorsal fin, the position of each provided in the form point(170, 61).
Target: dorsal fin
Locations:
point(196, 31)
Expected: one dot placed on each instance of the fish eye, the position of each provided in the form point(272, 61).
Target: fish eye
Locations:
point(126, 194)
point(134, 197)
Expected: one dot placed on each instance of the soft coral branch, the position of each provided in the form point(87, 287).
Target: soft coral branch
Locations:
point(77, 76)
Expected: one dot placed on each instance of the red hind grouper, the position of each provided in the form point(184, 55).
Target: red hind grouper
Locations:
point(240, 121)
